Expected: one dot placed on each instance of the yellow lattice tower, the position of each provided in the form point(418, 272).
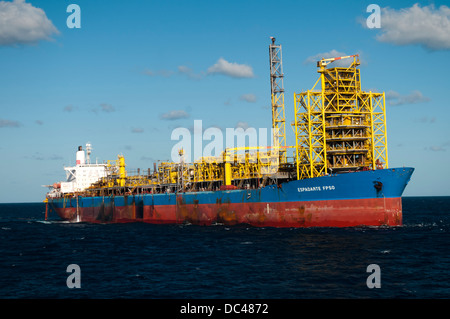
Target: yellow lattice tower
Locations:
point(340, 127)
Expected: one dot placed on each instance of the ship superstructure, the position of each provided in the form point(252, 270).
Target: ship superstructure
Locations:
point(82, 175)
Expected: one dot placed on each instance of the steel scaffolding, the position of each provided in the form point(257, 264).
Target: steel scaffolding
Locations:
point(340, 127)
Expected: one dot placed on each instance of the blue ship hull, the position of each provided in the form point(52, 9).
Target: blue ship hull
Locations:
point(370, 197)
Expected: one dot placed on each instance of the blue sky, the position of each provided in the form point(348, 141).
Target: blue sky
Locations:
point(136, 70)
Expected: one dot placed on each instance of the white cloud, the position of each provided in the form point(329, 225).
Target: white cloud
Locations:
point(426, 119)
point(69, 108)
point(174, 115)
point(137, 130)
point(162, 72)
point(425, 26)
point(395, 98)
point(243, 125)
point(9, 123)
point(189, 72)
point(108, 108)
point(231, 69)
point(39, 157)
point(222, 66)
point(435, 148)
point(182, 69)
point(21, 23)
point(251, 98)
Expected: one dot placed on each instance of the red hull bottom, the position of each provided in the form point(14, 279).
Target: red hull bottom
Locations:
point(327, 213)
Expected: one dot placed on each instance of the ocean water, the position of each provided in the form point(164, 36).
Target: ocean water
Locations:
point(139, 260)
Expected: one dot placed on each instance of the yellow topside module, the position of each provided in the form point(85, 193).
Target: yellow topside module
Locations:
point(339, 127)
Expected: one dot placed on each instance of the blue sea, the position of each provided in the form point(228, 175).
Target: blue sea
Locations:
point(139, 260)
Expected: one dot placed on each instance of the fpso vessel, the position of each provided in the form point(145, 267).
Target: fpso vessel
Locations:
point(337, 176)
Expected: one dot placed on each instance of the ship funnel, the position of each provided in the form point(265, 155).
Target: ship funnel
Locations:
point(80, 156)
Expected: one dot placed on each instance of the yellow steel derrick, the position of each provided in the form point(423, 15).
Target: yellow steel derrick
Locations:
point(339, 127)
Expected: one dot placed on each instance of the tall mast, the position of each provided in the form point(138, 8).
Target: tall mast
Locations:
point(277, 94)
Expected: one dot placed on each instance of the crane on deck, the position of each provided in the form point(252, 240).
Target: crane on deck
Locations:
point(322, 63)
